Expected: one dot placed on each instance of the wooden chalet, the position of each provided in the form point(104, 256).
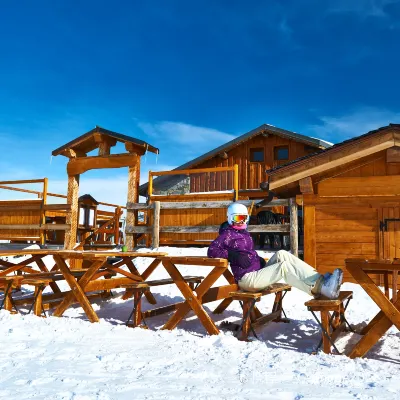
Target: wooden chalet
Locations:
point(233, 171)
point(350, 195)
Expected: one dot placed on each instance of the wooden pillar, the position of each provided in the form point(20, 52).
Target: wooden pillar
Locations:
point(156, 225)
point(294, 228)
point(72, 215)
point(310, 255)
point(43, 234)
point(133, 197)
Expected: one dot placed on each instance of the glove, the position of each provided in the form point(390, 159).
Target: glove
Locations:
point(263, 263)
point(238, 258)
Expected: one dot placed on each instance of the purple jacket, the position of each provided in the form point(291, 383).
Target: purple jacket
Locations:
point(238, 240)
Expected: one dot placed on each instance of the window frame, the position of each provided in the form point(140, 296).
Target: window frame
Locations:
point(253, 150)
point(276, 150)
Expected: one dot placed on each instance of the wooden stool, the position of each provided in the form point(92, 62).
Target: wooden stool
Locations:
point(7, 283)
point(40, 285)
point(331, 325)
point(252, 319)
point(138, 290)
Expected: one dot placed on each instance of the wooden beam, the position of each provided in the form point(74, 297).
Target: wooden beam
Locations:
point(278, 228)
point(104, 142)
point(306, 185)
point(71, 153)
point(134, 148)
point(204, 204)
point(133, 197)
point(156, 225)
point(310, 255)
point(330, 159)
point(393, 154)
point(361, 201)
point(78, 166)
point(72, 214)
point(223, 155)
point(51, 227)
point(294, 228)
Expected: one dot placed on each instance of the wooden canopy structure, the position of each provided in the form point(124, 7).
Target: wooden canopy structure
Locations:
point(79, 162)
point(351, 199)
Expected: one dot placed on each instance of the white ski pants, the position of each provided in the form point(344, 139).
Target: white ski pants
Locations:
point(282, 265)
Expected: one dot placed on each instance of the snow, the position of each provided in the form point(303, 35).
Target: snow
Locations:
point(70, 358)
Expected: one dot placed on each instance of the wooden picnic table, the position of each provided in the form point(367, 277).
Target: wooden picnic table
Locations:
point(98, 267)
point(390, 308)
point(194, 298)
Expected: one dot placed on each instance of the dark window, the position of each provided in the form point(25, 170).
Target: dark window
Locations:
point(257, 155)
point(281, 153)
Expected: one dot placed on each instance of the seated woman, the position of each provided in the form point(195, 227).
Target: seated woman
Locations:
point(253, 273)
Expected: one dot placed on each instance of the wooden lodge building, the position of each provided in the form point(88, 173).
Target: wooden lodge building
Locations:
point(232, 171)
point(350, 195)
point(254, 152)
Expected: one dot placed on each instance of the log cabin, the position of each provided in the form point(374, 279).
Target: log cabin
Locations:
point(253, 152)
point(350, 195)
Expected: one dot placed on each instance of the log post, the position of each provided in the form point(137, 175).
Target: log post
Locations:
point(156, 225)
point(294, 228)
point(133, 197)
point(43, 234)
point(72, 214)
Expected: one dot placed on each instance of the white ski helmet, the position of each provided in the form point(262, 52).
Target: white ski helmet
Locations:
point(237, 208)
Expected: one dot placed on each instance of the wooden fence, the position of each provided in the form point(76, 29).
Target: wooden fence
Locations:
point(155, 228)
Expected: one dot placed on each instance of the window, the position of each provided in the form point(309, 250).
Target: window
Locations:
point(281, 153)
point(257, 155)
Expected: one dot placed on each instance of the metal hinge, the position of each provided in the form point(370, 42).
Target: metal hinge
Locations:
point(383, 224)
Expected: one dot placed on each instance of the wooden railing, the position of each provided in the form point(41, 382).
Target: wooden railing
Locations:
point(155, 229)
point(206, 171)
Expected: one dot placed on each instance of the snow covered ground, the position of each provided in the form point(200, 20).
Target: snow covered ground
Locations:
point(70, 358)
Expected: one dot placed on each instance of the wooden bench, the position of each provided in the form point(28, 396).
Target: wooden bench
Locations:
point(140, 288)
point(7, 284)
point(331, 324)
point(252, 318)
point(39, 285)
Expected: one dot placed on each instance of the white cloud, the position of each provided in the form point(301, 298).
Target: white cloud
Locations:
point(363, 8)
point(182, 133)
point(360, 121)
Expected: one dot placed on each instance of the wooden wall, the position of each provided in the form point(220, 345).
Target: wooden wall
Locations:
point(12, 212)
point(251, 174)
point(342, 219)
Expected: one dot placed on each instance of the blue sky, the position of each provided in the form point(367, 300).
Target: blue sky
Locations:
point(187, 76)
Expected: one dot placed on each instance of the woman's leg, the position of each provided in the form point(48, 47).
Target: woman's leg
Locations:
point(282, 265)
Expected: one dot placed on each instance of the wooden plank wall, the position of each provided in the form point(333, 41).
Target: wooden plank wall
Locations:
point(345, 232)
point(251, 174)
point(351, 231)
point(12, 213)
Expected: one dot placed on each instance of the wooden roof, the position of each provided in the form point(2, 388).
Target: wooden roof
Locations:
point(333, 157)
point(87, 142)
point(262, 129)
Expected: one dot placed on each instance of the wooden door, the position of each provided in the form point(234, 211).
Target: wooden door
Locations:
point(390, 232)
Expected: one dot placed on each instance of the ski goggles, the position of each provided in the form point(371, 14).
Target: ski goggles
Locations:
point(240, 218)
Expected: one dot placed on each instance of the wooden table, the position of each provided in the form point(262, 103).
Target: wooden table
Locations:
point(89, 280)
point(390, 310)
point(203, 293)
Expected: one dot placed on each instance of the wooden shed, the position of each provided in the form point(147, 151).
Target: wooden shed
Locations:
point(233, 171)
point(350, 195)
